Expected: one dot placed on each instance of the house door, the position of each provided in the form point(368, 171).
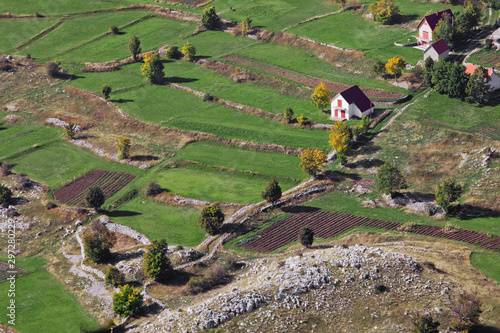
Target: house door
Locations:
point(336, 112)
point(342, 114)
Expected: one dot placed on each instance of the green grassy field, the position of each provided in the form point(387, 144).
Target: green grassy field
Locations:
point(42, 303)
point(17, 31)
point(487, 262)
point(15, 140)
point(178, 225)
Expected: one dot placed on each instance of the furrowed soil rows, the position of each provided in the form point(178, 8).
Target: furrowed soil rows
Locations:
point(305, 79)
point(330, 224)
point(109, 181)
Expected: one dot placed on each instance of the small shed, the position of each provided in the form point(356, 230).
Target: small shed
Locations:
point(351, 102)
point(494, 77)
point(437, 51)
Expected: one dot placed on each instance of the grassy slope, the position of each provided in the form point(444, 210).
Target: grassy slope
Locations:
point(178, 225)
point(17, 139)
point(16, 31)
point(487, 262)
point(42, 303)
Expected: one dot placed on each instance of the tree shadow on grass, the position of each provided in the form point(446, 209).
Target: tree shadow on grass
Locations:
point(299, 209)
point(401, 19)
point(121, 213)
point(365, 164)
point(143, 158)
point(470, 212)
point(176, 79)
point(121, 100)
point(485, 329)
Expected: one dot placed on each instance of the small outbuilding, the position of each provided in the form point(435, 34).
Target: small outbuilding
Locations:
point(494, 77)
point(351, 102)
point(437, 51)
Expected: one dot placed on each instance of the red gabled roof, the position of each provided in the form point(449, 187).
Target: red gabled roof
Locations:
point(469, 69)
point(440, 46)
point(358, 97)
point(433, 19)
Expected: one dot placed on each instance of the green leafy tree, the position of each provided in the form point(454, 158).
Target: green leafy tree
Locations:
point(95, 197)
point(5, 194)
point(173, 52)
point(425, 324)
point(211, 218)
point(288, 115)
point(457, 82)
point(106, 90)
point(210, 19)
point(444, 30)
point(340, 139)
point(447, 193)
point(156, 263)
point(97, 242)
point(389, 179)
point(152, 68)
point(114, 277)
point(134, 46)
point(306, 236)
point(312, 161)
point(429, 67)
point(272, 192)
point(123, 148)
point(441, 75)
point(246, 25)
point(321, 96)
point(384, 11)
point(128, 301)
point(379, 68)
point(70, 130)
point(189, 51)
point(395, 66)
point(477, 86)
point(53, 69)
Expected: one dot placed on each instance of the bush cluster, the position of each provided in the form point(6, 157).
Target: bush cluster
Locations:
point(214, 276)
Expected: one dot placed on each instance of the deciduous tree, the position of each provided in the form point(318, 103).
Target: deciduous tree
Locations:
point(447, 193)
point(340, 139)
point(457, 82)
point(389, 179)
point(189, 51)
point(272, 192)
point(245, 25)
point(306, 236)
point(321, 96)
point(128, 301)
point(134, 46)
point(114, 277)
point(429, 67)
point(210, 19)
point(173, 52)
point(106, 90)
point(156, 264)
point(312, 161)
point(441, 75)
point(288, 115)
point(95, 197)
point(395, 66)
point(124, 148)
point(444, 30)
point(97, 242)
point(477, 86)
point(70, 130)
point(152, 68)
point(211, 218)
point(384, 11)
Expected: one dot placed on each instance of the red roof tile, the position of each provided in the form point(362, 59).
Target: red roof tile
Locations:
point(440, 46)
point(433, 19)
point(469, 69)
point(358, 97)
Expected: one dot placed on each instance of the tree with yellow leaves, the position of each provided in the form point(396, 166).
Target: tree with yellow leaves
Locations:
point(123, 148)
point(153, 68)
point(395, 66)
point(189, 51)
point(384, 11)
point(340, 139)
point(245, 25)
point(321, 96)
point(312, 161)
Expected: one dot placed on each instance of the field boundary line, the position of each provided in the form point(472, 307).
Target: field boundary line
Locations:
point(41, 34)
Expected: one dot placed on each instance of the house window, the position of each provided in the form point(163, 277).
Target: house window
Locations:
point(339, 103)
point(426, 35)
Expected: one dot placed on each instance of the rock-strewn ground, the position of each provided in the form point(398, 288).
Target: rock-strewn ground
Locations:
point(331, 285)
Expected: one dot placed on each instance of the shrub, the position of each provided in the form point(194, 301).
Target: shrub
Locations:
point(312, 161)
point(70, 130)
point(123, 148)
point(208, 97)
point(173, 52)
point(113, 29)
point(128, 301)
point(425, 324)
point(272, 192)
point(448, 192)
point(384, 11)
point(465, 309)
point(389, 179)
point(5, 169)
point(5, 194)
point(379, 68)
point(189, 51)
point(288, 115)
point(245, 25)
point(210, 19)
point(53, 69)
point(50, 205)
point(153, 189)
point(114, 277)
point(156, 263)
point(97, 248)
point(5, 65)
point(106, 90)
point(214, 276)
point(23, 182)
point(95, 197)
point(211, 218)
point(487, 44)
point(300, 120)
point(379, 288)
point(306, 236)
point(134, 46)
point(153, 68)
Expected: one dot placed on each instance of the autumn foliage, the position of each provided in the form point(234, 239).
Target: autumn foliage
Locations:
point(123, 148)
point(384, 11)
point(321, 96)
point(340, 139)
point(395, 65)
point(153, 68)
point(312, 161)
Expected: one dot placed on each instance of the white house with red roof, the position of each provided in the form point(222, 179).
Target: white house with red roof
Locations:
point(351, 102)
point(428, 23)
point(437, 51)
point(494, 78)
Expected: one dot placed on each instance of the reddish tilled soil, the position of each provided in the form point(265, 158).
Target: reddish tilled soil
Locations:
point(306, 79)
point(330, 224)
point(109, 181)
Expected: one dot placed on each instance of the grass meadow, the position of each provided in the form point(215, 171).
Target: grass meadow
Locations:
point(15, 140)
point(43, 305)
point(18, 31)
point(487, 262)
